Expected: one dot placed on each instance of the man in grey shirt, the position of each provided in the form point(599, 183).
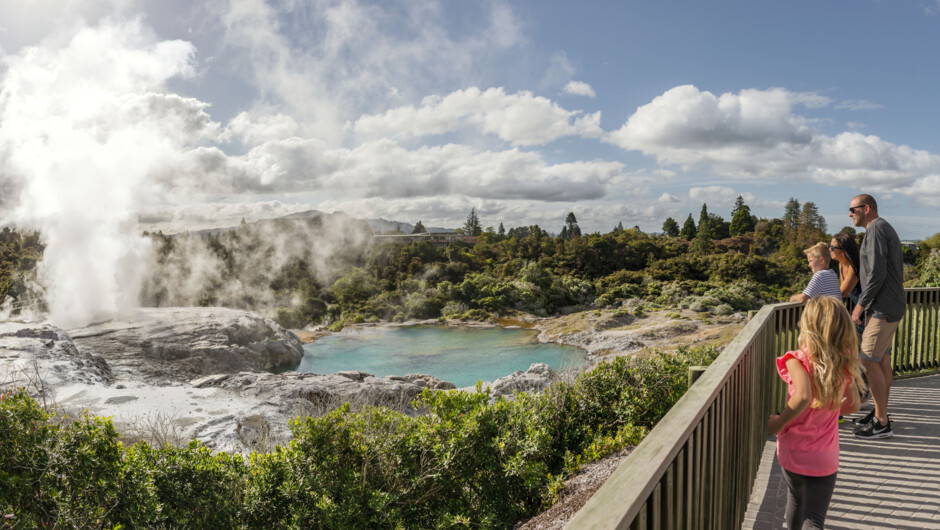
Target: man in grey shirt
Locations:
point(882, 304)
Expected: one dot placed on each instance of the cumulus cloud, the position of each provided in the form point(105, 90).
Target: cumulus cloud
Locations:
point(579, 88)
point(667, 198)
point(756, 133)
point(356, 57)
point(384, 168)
point(521, 119)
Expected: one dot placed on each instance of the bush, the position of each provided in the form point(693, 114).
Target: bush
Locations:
point(464, 461)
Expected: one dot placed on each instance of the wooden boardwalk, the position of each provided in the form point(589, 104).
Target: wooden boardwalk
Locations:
point(891, 483)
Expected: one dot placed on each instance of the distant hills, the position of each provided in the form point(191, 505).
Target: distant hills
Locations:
point(378, 226)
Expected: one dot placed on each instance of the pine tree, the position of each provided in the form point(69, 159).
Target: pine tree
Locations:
point(501, 232)
point(742, 222)
point(620, 226)
point(671, 227)
point(472, 227)
point(791, 214)
point(738, 204)
point(704, 223)
point(564, 233)
point(688, 231)
point(571, 224)
point(419, 228)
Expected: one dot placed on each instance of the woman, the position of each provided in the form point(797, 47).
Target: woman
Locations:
point(844, 250)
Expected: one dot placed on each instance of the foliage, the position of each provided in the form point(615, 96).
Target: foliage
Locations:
point(465, 460)
point(671, 227)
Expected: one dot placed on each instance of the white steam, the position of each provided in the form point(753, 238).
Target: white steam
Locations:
point(82, 128)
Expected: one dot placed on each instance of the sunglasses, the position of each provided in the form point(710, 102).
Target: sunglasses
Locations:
point(834, 248)
point(853, 208)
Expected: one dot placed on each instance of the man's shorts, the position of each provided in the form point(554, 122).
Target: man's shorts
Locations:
point(877, 339)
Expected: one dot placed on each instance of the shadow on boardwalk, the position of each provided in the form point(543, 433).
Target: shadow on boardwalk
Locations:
point(891, 483)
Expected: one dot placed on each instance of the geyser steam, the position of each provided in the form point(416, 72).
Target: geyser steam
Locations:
point(85, 128)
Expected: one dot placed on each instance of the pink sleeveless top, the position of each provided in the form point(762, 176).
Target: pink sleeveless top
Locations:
point(808, 445)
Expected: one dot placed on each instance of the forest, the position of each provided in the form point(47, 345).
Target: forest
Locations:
point(328, 271)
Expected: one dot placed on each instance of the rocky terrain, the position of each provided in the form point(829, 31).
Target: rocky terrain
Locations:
point(223, 376)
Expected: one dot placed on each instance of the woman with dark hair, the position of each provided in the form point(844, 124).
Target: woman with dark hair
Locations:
point(844, 250)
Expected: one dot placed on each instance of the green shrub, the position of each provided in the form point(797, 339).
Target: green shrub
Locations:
point(464, 461)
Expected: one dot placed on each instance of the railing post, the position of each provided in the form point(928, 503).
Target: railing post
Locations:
point(695, 372)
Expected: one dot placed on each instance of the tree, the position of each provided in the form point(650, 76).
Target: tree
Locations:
point(572, 229)
point(671, 227)
point(473, 227)
point(810, 219)
point(791, 214)
point(419, 228)
point(738, 205)
point(742, 222)
point(688, 229)
point(501, 232)
point(704, 223)
point(620, 226)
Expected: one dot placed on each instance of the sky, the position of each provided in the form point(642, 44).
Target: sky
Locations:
point(121, 115)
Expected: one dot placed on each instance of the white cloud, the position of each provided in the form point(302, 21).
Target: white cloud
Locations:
point(579, 88)
point(356, 57)
point(256, 127)
point(667, 198)
point(521, 119)
point(384, 168)
point(756, 134)
point(858, 104)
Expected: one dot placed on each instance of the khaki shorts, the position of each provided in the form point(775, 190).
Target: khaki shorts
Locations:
point(877, 339)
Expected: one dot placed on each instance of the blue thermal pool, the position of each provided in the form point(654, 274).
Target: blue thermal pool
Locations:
point(459, 355)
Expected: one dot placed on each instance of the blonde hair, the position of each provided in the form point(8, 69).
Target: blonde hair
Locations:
point(827, 335)
point(819, 250)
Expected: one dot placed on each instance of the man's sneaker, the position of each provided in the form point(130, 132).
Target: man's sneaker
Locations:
point(865, 420)
point(875, 430)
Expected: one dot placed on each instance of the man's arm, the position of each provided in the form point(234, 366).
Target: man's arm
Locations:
point(876, 252)
point(799, 297)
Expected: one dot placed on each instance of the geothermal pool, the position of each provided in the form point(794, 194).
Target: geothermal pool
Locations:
point(459, 355)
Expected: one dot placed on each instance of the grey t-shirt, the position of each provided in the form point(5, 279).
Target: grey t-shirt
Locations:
point(881, 272)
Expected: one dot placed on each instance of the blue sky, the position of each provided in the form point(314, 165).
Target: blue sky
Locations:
point(188, 115)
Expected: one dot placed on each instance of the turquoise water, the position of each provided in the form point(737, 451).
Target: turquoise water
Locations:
point(459, 355)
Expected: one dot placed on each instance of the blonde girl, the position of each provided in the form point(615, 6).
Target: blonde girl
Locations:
point(823, 378)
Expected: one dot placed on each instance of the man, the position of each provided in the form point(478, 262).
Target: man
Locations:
point(882, 305)
point(825, 281)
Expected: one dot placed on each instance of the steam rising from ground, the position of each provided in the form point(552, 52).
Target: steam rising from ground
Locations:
point(82, 128)
point(259, 266)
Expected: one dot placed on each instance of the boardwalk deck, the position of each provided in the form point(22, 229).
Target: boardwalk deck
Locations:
point(891, 483)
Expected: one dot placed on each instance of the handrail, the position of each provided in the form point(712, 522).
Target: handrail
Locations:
point(696, 467)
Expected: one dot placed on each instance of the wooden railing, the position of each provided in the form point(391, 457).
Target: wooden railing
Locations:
point(697, 466)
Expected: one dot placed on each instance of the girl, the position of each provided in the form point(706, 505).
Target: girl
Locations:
point(823, 378)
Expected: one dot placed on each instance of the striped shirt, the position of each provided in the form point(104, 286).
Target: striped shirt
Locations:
point(824, 283)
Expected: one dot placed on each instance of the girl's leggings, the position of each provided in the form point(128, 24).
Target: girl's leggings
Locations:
point(807, 499)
